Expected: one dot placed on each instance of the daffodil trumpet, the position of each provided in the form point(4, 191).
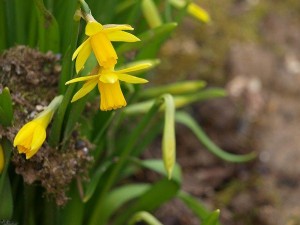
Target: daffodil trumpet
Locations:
point(32, 135)
point(108, 83)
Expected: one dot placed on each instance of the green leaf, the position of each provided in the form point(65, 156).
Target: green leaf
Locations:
point(10, 30)
point(129, 147)
point(195, 205)
point(22, 10)
point(64, 13)
point(48, 32)
point(94, 180)
point(3, 39)
point(213, 218)
point(144, 216)
point(203, 214)
point(151, 13)
point(157, 165)
point(103, 210)
point(159, 193)
point(188, 121)
point(157, 34)
point(70, 34)
point(57, 125)
point(178, 88)
point(180, 100)
point(6, 202)
point(73, 212)
point(6, 109)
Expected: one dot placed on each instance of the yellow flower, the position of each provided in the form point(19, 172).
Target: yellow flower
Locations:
point(99, 41)
point(2, 162)
point(108, 83)
point(32, 135)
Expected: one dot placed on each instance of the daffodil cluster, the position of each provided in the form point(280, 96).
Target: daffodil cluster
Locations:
point(107, 78)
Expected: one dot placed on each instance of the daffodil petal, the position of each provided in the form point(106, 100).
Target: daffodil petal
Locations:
point(116, 27)
point(93, 28)
point(86, 88)
point(131, 79)
point(87, 41)
point(78, 79)
point(83, 56)
point(38, 139)
point(122, 36)
point(24, 133)
point(108, 78)
point(140, 66)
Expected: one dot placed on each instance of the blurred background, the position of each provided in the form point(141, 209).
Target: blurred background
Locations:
point(252, 49)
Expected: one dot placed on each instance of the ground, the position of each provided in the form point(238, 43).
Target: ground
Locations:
point(252, 49)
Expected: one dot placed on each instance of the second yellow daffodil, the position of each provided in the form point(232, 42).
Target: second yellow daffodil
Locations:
point(99, 41)
point(32, 135)
point(107, 80)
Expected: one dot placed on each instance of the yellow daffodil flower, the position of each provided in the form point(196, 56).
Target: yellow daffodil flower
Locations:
point(108, 83)
point(2, 162)
point(99, 41)
point(32, 135)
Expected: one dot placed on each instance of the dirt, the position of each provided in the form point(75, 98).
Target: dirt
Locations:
point(26, 72)
point(252, 49)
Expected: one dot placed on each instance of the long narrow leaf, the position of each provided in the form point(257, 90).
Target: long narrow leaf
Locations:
point(188, 121)
point(159, 193)
point(144, 216)
point(94, 180)
point(73, 212)
point(6, 203)
point(3, 39)
point(148, 37)
point(174, 89)
point(48, 29)
point(114, 200)
point(158, 166)
point(195, 205)
point(6, 108)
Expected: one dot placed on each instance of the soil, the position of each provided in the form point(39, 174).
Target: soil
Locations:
point(252, 49)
